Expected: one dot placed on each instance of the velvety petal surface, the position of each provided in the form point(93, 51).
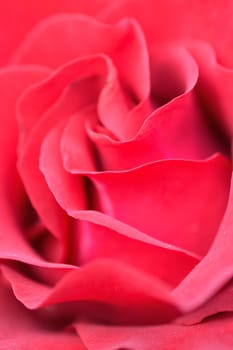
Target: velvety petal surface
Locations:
point(17, 19)
point(180, 20)
point(55, 105)
point(24, 329)
point(126, 291)
point(156, 195)
point(82, 36)
point(214, 334)
point(215, 269)
point(100, 241)
point(214, 88)
point(13, 81)
point(219, 303)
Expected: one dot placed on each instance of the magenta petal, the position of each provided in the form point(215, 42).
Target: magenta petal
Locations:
point(178, 20)
point(119, 43)
point(83, 36)
point(169, 200)
point(177, 129)
point(13, 82)
point(215, 84)
point(100, 236)
point(215, 269)
point(128, 291)
point(219, 303)
point(123, 155)
point(69, 190)
point(74, 144)
point(17, 19)
point(23, 329)
point(212, 335)
point(65, 83)
point(43, 106)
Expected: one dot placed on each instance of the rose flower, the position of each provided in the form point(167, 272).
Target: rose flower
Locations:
point(116, 201)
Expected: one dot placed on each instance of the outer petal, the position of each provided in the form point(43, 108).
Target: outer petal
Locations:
point(82, 36)
point(170, 200)
point(13, 81)
point(163, 21)
point(24, 329)
point(126, 294)
point(14, 216)
point(211, 335)
point(215, 269)
point(17, 18)
point(37, 119)
point(219, 303)
point(214, 88)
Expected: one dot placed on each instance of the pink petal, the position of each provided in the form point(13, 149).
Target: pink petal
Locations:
point(83, 36)
point(124, 292)
point(65, 187)
point(214, 86)
point(100, 236)
point(17, 18)
point(105, 239)
point(42, 107)
point(179, 20)
point(219, 303)
point(170, 200)
point(73, 144)
point(24, 329)
point(214, 271)
point(120, 42)
point(13, 82)
point(172, 197)
point(211, 335)
point(178, 129)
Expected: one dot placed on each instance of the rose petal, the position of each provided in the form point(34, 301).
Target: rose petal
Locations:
point(215, 269)
point(107, 238)
point(179, 20)
point(170, 200)
point(64, 99)
point(221, 302)
point(120, 42)
point(73, 142)
point(160, 193)
point(83, 36)
point(178, 129)
point(215, 334)
point(14, 24)
point(13, 81)
point(215, 86)
point(24, 329)
point(130, 293)
point(67, 188)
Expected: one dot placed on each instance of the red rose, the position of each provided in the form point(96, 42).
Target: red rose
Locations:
point(116, 201)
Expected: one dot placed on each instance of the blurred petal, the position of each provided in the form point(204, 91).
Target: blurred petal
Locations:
point(164, 21)
point(23, 329)
point(214, 88)
point(129, 292)
point(212, 335)
point(17, 18)
point(83, 36)
point(215, 269)
point(219, 303)
point(42, 107)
